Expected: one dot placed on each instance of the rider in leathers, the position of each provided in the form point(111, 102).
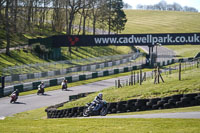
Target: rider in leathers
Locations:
point(16, 92)
point(98, 101)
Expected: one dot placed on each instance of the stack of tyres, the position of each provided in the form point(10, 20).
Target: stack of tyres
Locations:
point(152, 103)
point(160, 104)
point(80, 111)
point(130, 105)
point(180, 100)
point(65, 113)
point(188, 99)
point(197, 99)
point(61, 114)
point(74, 112)
point(70, 113)
point(141, 104)
point(121, 106)
point(112, 108)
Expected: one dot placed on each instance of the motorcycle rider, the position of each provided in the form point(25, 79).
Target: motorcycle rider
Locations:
point(16, 92)
point(64, 85)
point(41, 88)
point(98, 100)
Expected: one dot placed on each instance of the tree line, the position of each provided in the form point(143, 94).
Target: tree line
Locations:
point(164, 6)
point(70, 16)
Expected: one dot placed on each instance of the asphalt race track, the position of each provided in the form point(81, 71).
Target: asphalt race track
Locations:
point(35, 101)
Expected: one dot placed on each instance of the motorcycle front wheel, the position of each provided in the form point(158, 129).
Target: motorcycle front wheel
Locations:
point(103, 111)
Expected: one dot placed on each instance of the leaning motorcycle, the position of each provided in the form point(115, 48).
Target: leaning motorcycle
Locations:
point(40, 91)
point(90, 109)
point(13, 98)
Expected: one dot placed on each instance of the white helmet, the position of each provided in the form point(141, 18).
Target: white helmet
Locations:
point(100, 95)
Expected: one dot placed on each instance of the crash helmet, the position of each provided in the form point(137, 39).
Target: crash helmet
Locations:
point(100, 95)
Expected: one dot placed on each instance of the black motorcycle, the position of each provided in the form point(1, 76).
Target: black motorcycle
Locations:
point(90, 109)
point(40, 91)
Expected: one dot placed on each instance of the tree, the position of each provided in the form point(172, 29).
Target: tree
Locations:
point(97, 11)
point(109, 17)
point(7, 27)
point(72, 8)
point(58, 19)
point(177, 7)
point(162, 5)
point(85, 13)
point(127, 6)
point(2, 2)
point(118, 19)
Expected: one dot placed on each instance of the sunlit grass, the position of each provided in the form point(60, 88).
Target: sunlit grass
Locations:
point(190, 83)
point(185, 51)
point(140, 21)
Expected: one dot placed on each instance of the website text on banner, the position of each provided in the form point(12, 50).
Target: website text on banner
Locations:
point(120, 40)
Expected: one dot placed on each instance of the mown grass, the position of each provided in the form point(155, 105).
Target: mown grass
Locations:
point(140, 21)
point(35, 121)
point(190, 83)
point(18, 57)
point(40, 114)
point(21, 57)
point(101, 126)
point(185, 51)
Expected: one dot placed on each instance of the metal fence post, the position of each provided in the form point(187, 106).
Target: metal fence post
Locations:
point(179, 71)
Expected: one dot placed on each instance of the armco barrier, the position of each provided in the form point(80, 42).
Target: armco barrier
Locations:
point(89, 67)
point(53, 82)
point(175, 101)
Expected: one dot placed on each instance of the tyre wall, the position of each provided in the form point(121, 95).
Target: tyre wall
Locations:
point(175, 101)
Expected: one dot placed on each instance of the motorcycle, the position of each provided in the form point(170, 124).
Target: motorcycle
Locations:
point(40, 91)
point(64, 87)
point(13, 98)
point(90, 109)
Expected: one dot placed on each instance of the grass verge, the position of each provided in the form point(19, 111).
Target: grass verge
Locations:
point(190, 83)
point(102, 126)
point(34, 121)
